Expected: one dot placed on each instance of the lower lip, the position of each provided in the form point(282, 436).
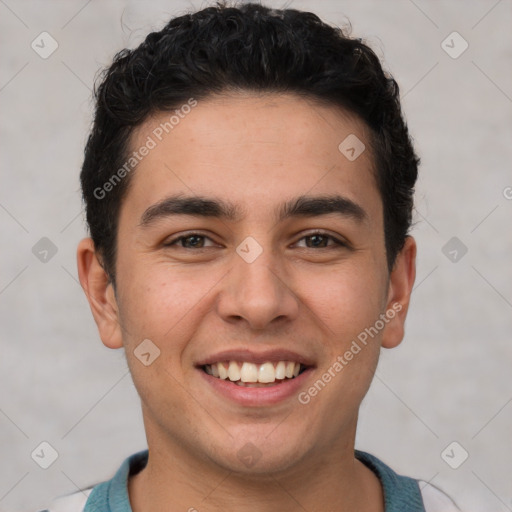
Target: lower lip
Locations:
point(268, 395)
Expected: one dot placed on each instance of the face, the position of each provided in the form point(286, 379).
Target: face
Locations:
point(250, 248)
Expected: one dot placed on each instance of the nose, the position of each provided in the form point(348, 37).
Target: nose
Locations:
point(257, 293)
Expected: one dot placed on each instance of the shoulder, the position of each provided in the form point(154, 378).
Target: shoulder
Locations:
point(70, 503)
point(405, 493)
point(436, 500)
point(99, 497)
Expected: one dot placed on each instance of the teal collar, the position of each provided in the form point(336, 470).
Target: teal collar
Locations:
point(400, 492)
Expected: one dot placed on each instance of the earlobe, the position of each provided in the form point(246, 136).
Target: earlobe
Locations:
point(100, 294)
point(401, 281)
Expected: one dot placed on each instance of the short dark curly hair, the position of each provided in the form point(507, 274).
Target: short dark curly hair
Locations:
point(248, 47)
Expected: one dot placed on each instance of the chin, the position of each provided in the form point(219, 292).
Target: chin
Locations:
point(262, 451)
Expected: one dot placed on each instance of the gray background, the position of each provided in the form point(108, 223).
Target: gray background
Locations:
point(451, 378)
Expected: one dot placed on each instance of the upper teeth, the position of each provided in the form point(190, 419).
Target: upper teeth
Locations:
point(250, 372)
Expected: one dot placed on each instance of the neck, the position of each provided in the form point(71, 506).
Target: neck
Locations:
point(175, 480)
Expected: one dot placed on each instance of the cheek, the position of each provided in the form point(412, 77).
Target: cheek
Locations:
point(143, 293)
point(347, 304)
point(347, 300)
point(161, 303)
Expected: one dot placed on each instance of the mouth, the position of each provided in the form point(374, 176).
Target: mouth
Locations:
point(252, 375)
point(255, 378)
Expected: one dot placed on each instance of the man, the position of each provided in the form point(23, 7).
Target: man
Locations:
point(248, 184)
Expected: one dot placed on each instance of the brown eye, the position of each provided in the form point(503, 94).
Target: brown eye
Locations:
point(192, 241)
point(195, 241)
point(317, 241)
point(320, 241)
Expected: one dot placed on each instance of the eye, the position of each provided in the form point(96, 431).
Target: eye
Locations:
point(191, 241)
point(319, 241)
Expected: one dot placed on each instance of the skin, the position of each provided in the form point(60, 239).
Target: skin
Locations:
point(256, 152)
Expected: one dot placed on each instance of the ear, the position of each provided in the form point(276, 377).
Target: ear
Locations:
point(100, 294)
point(401, 281)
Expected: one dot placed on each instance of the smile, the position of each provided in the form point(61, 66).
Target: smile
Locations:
point(248, 374)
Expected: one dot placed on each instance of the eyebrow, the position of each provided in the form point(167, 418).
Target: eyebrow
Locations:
point(302, 206)
point(191, 205)
point(307, 206)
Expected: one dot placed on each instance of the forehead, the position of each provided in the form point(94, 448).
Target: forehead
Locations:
point(254, 150)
